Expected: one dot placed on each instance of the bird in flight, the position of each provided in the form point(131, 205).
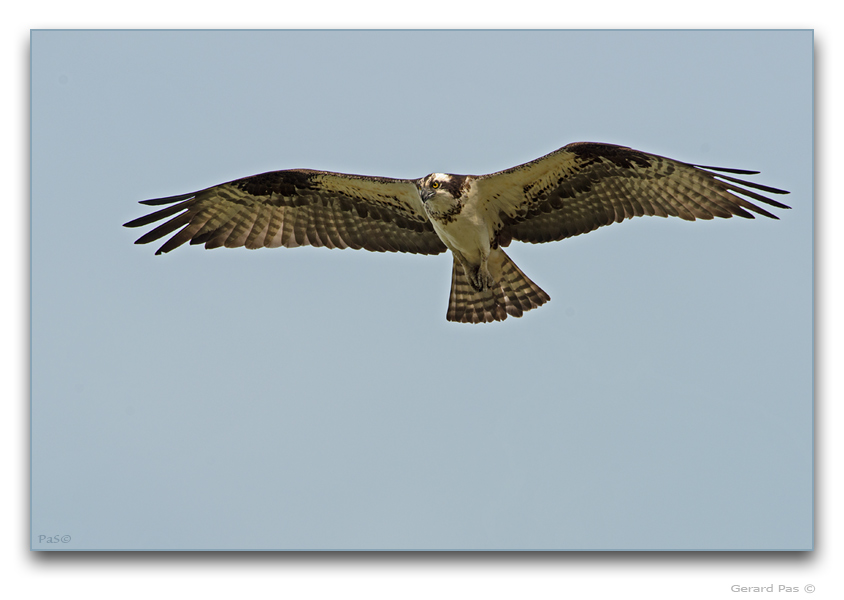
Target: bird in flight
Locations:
point(573, 190)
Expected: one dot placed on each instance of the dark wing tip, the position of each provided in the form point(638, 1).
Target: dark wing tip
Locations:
point(739, 186)
point(728, 170)
point(164, 212)
point(168, 199)
point(134, 222)
point(756, 186)
point(158, 215)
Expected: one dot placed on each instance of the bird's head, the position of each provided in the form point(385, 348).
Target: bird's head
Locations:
point(442, 190)
point(435, 185)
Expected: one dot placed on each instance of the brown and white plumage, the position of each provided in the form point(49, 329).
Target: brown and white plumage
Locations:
point(294, 208)
point(573, 190)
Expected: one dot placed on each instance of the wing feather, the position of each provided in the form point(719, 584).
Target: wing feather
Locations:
point(296, 208)
point(182, 236)
point(219, 236)
point(258, 234)
point(242, 229)
point(586, 185)
point(337, 229)
point(274, 229)
point(165, 228)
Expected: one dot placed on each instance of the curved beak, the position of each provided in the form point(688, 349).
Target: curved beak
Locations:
point(426, 194)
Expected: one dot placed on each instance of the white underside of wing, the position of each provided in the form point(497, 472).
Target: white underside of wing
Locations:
point(401, 193)
point(505, 191)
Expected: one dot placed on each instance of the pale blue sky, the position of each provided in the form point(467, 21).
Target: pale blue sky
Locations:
point(312, 398)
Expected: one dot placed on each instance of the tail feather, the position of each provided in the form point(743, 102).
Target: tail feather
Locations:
point(511, 294)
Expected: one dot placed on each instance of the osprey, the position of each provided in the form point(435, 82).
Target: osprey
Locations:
point(573, 190)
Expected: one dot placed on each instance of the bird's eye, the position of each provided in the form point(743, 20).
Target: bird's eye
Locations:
point(435, 185)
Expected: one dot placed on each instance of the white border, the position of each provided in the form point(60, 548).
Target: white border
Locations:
point(414, 575)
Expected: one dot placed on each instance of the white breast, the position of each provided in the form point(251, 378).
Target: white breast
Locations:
point(468, 233)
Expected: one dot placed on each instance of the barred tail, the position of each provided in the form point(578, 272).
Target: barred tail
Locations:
point(511, 294)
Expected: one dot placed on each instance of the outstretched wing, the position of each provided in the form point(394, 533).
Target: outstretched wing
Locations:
point(586, 185)
point(298, 207)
